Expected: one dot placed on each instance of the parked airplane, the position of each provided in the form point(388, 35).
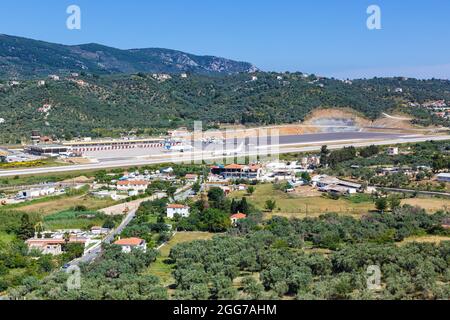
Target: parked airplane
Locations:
point(225, 152)
point(178, 148)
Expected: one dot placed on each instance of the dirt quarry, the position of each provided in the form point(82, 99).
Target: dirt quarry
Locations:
point(325, 121)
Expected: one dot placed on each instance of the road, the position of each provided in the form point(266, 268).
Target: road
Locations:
point(95, 251)
point(286, 147)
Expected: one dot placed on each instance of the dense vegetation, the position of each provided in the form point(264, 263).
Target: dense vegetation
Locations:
point(116, 276)
point(27, 58)
point(111, 105)
point(280, 258)
point(17, 264)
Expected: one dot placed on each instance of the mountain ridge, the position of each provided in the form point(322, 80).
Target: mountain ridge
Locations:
point(22, 58)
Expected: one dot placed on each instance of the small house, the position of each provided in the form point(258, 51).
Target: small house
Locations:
point(129, 244)
point(236, 217)
point(177, 209)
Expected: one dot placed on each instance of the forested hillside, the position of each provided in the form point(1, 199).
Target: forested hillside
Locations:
point(92, 105)
point(22, 58)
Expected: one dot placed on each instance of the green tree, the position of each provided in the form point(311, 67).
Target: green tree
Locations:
point(196, 187)
point(26, 229)
point(324, 152)
point(306, 177)
point(252, 288)
point(394, 202)
point(216, 220)
point(381, 204)
point(270, 205)
point(171, 192)
point(109, 223)
point(216, 197)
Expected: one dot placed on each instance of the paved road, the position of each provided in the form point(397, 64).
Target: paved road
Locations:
point(95, 252)
point(285, 147)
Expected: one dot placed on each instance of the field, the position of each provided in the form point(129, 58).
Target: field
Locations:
point(73, 220)
point(163, 270)
point(430, 204)
point(31, 164)
point(295, 205)
point(64, 203)
point(426, 239)
point(42, 178)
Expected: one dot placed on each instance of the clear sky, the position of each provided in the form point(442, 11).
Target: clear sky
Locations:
point(326, 37)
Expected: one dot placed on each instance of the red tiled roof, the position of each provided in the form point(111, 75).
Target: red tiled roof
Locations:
point(133, 183)
point(55, 241)
point(176, 206)
point(129, 242)
point(239, 216)
point(234, 166)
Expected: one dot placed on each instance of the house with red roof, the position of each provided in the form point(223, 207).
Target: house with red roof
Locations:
point(52, 246)
point(236, 217)
point(129, 244)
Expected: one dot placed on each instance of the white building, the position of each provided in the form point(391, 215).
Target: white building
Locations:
point(326, 183)
point(54, 77)
point(99, 230)
point(36, 192)
point(52, 246)
point(236, 217)
point(191, 177)
point(443, 177)
point(177, 209)
point(106, 194)
point(134, 185)
point(41, 83)
point(130, 244)
point(2, 120)
point(393, 151)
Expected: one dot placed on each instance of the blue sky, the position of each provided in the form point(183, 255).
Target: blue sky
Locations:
point(326, 37)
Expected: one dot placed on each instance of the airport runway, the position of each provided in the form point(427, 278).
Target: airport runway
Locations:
point(304, 143)
point(129, 154)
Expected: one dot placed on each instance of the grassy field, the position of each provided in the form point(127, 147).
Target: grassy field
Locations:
point(163, 270)
point(293, 205)
point(430, 204)
point(73, 220)
point(58, 204)
point(45, 177)
point(425, 239)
